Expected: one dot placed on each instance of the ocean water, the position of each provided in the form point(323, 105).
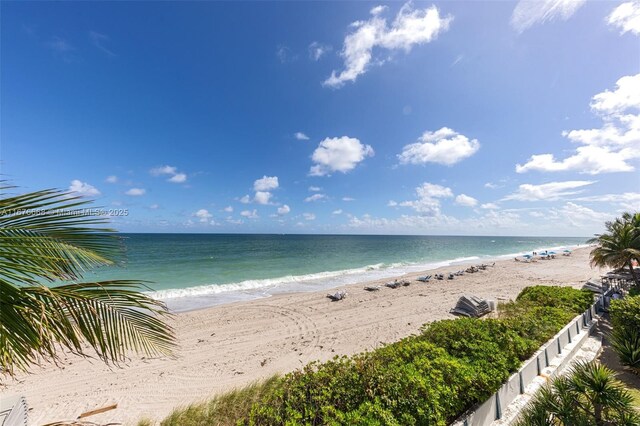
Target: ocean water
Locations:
point(191, 271)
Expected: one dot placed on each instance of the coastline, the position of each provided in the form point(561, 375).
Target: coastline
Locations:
point(205, 296)
point(231, 345)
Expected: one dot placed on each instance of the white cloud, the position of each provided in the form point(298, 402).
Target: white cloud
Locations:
point(283, 210)
point(587, 160)
point(489, 206)
point(249, 214)
point(338, 155)
point(612, 198)
point(392, 203)
point(339, 211)
point(626, 17)
point(111, 179)
point(163, 170)
point(491, 185)
point(409, 28)
point(315, 189)
point(285, 55)
point(444, 146)
point(548, 191)
point(301, 136)
point(266, 183)
point(465, 200)
point(83, 189)
point(262, 197)
point(172, 171)
point(625, 96)
point(309, 216)
point(348, 199)
point(428, 203)
point(378, 10)
point(154, 206)
point(228, 209)
point(602, 150)
point(318, 50)
point(315, 197)
point(245, 200)
point(580, 216)
point(627, 201)
point(136, 192)
point(528, 13)
point(60, 45)
point(203, 215)
point(99, 41)
point(178, 178)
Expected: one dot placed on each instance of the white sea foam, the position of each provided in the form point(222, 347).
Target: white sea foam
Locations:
point(195, 297)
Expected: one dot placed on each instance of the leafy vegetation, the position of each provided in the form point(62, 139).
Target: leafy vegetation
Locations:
point(619, 246)
point(426, 379)
point(223, 410)
point(588, 395)
point(625, 338)
point(555, 297)
point(49, 236)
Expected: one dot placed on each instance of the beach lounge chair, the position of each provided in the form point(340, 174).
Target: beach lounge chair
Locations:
point(338, 295)
point(451, 276)
point(13, 411)
point(405, 283)
point(372, 288)
point(471, 306)
point(393, 284)
point(439, 276)
point(424, 279)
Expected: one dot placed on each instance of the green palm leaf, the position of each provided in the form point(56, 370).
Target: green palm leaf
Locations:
point(48, 236)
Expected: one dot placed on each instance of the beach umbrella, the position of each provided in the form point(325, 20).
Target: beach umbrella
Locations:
point(528, 256)
point(552, 252)
point(567, 251)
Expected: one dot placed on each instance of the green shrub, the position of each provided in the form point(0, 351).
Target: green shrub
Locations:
point(588, 395)
point(625, 312)
point(575, 301)
point(223, 410)
point(625, 338)
point(427, 379)
point(626, 343)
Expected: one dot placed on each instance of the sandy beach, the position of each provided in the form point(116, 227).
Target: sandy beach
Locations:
point(231, 345)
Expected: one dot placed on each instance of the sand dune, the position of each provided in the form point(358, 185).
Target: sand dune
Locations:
point(231, 345)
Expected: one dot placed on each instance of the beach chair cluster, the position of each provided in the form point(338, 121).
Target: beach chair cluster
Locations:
point(395, 284)
point(471, 306)
point(543, 255)
point(478, 268)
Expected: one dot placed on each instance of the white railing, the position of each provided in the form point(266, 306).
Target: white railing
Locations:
point(573, 335)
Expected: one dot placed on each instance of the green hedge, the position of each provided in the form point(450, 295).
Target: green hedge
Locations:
point(427, 379)
point(625, 313)
point(625, 338)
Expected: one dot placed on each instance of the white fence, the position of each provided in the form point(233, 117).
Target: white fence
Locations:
point(577, 331)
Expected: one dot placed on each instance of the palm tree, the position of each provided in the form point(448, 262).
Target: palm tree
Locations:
point(620, 245)
point(49, 237)
point(588, 395)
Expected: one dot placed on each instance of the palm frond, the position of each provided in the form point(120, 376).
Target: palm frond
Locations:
point(51, 235)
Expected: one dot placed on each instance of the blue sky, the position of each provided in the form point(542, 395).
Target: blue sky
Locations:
point(480, 118)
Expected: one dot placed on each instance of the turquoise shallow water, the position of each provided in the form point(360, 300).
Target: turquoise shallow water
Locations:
point(191, 271)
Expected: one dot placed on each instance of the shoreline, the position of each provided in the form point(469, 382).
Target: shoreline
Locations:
point(326, 280)
point(231, 345)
